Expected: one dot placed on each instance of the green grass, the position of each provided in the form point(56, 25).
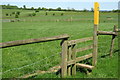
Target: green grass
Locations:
point(19, 56)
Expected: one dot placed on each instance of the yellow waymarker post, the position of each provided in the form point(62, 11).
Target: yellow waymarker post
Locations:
point(95, 37)
point(96, 13)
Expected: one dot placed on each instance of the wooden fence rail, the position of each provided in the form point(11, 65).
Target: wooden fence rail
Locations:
point(106, 33)
point(79, 59)
point(72, 42)
point(113, 33)
point(69, 60)
point(30, 41)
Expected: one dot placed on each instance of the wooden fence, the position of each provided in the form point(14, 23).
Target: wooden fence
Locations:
point(113, 33)
point(31, 41)
point(69, 60)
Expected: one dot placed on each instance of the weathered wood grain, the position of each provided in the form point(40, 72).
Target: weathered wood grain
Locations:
point(79, 59)
point(64, 59)
point(112, 41)
point(95, 45)
point(74, 58)
point(29, 41)
point(72, 42)
point(69, 58)
point(106, 33)
point(84, 66)
point(39, 72)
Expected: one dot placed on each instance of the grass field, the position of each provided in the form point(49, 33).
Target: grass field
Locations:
point(42, 56)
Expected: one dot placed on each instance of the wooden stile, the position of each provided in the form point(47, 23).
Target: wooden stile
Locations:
point(72, 54)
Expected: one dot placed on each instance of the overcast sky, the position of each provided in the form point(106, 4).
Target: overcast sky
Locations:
point(76, 4)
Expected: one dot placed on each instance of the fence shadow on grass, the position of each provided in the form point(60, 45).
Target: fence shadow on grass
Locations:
point(106, 55)
point(116, 51)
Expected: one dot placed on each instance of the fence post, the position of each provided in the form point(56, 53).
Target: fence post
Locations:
point(95, 45)
point(95, 37)
point(69, 58)
point(73, 58)
point(64, 59)
point(112, 41)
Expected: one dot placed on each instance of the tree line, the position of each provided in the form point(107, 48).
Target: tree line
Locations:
point(50, 9)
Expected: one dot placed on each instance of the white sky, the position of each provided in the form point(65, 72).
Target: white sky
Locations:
point(76, 4)
point(59, 1)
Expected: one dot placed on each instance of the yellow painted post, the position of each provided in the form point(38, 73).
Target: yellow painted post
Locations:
point(96, 13)
point(95, 37)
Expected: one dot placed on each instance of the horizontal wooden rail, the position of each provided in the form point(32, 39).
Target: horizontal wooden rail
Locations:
point(79, 59)
point(85, 48)
point(39, 72)
point(72, 42)
point(84, 66)
point(106, 33)
point(29, 41)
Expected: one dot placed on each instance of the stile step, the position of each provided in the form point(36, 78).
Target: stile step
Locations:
point(84, 66)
